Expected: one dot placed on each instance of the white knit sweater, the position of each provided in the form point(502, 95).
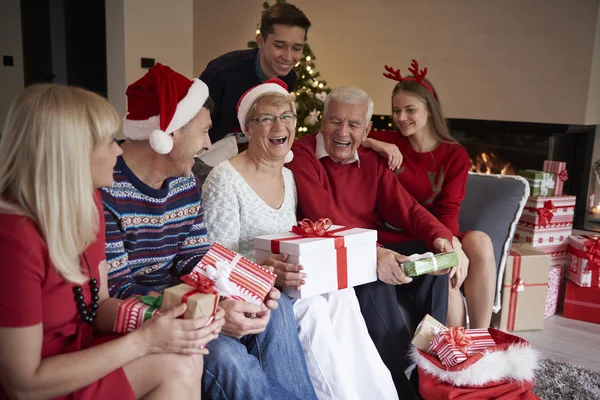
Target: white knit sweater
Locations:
point(235, 214)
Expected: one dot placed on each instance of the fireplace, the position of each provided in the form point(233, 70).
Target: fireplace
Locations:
point(503, 147)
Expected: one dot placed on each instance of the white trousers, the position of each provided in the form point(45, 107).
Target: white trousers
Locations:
point(342, 360)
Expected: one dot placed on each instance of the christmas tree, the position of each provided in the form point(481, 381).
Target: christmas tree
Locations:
point(310, 91)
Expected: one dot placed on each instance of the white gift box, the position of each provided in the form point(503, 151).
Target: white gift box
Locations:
point(347, 258)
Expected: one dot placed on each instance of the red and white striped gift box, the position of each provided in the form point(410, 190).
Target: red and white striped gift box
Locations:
point(581, 271)
point(559, 169)
point(252, 282)
point(452, 351)
point(553, 238)
point(539, 212)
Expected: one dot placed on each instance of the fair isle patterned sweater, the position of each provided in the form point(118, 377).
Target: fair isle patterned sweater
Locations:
point(153, 236)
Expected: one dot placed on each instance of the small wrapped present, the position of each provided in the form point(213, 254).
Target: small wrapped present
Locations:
point(525, 289)
point(541, 183)
point(235, 277)
point(547, 222)
point(454, 345)
point(135, 311)
point(198, 293)
point(584, 260)
point(559, 169)
point(582, 303)
point(553, 295)
point(421, 264)
point(506, 370)
point(334, 257)
point(427, 329)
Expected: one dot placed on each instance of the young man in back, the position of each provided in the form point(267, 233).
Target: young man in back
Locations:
point(283, 30)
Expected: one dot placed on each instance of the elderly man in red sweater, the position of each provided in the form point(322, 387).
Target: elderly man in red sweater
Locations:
point(338, 179)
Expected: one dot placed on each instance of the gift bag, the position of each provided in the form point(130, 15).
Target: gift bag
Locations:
point(504, 371)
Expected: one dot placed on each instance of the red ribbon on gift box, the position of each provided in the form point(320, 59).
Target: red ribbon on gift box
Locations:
point(592, 255)
point(457, 337)
point(517, 285)
point(308, 229)
point(563, 175)
point(200, 284)
point(546, 213)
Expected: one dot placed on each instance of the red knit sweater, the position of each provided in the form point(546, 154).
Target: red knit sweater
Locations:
point(436, 179)
point(359, 195)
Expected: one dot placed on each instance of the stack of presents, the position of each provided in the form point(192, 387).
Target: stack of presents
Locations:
point(544, 251)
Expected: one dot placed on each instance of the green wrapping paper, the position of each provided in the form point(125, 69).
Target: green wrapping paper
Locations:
point(540, 183)
point(154, 303)
point(421, 264)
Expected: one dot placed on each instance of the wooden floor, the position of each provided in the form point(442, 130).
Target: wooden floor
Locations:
point(572, 341)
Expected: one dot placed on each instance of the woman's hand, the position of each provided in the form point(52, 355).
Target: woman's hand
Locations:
point(459, 273)
point(288, 275)
point(239, 319)
point(386, 150)
point(165, 333)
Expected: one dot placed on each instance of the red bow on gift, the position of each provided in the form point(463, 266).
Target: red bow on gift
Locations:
point(593, 252)
point(546, 213)
point(563, 175)
point(312, 229)
point(518, 286)
point(200, 283)
point(457, 337)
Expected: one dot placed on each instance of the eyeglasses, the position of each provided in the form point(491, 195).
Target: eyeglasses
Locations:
point(287, 118)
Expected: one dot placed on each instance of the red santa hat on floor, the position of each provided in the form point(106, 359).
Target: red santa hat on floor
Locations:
point(273, 85)
point(159, 103)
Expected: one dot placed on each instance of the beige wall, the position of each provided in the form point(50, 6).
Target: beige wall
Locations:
point(593, 105)
point(506, 60)
point(157, 29)
point(11, 78)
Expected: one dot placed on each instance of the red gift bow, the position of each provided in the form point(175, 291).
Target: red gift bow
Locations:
point(593, 253)
point(200, 283)
point(518, 286)
point(313, 229)
point(546, 213)
point(563, 175)
point(457, 337)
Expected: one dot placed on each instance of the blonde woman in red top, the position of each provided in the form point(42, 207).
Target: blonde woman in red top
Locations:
point(433, 168)
point(56, 149)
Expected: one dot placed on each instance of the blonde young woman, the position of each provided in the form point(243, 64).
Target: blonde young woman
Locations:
point(56, 149)
point(252, 194)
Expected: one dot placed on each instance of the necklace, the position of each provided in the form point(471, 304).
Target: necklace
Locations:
point(87, 314)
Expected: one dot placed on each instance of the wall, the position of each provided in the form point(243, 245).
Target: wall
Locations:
point(11, 78)
point(593, 105)
point(146, 28)
point(500, 60)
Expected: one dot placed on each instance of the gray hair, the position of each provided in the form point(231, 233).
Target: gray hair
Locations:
point(350, 95)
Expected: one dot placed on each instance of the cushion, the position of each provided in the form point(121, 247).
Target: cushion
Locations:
point(493, 204)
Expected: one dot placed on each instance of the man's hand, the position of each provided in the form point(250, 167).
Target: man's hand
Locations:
point(288, 275)
point(238, 322)
point(388, 269)
point(388, 151)
point(459, 273)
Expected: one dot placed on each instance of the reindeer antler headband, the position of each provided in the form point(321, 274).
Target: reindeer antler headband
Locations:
point(394, 74)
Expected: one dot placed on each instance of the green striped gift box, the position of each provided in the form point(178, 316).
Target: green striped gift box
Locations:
point(421, 264)
point(541, 183)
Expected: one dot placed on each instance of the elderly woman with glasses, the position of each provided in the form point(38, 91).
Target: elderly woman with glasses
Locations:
point(253, 194)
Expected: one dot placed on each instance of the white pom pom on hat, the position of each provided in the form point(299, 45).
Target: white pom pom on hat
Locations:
point(159, 103)
point(161, 142)
point(289, 157)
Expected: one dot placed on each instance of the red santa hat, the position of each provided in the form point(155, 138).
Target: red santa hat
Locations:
point(159, 103)
point(247, 100)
